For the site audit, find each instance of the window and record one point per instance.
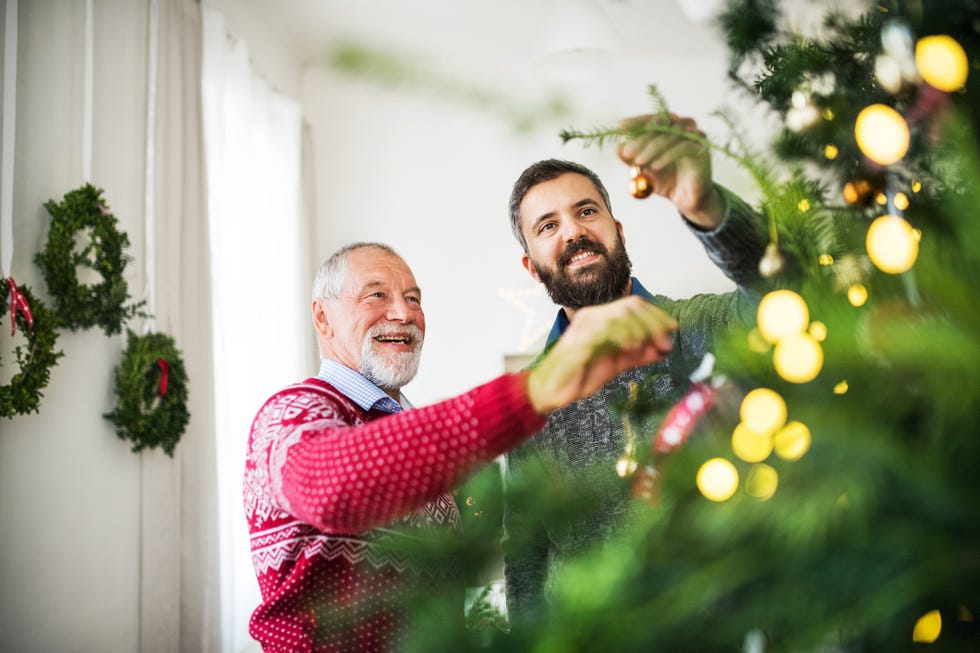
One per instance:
(260, 287)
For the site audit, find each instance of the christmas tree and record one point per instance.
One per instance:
(829, 499)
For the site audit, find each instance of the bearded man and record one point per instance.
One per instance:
(343, 479)
(560, 214)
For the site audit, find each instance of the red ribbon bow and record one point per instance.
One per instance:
(18, 303)
(163, 375)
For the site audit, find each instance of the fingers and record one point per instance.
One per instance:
(668, 153)
(630, 324)
(677, 164)
(655, 150)
(600, 343)
(651, 326)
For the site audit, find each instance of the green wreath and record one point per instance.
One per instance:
(78, 305)
(151, 393)
(35, 360)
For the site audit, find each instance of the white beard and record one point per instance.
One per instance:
(391, 371)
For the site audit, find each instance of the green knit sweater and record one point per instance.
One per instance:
(578, 449)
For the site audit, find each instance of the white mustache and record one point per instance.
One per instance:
(410, 331)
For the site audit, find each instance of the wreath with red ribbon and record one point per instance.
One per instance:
(151, 393)
(22, 395)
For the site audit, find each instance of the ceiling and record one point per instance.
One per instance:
(478, 33)
(494, 49)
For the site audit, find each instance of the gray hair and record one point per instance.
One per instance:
(332, 275)
(540, 172)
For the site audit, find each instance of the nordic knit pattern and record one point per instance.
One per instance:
(579, 446)
(322, 477)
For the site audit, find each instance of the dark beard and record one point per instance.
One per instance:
(600, 283)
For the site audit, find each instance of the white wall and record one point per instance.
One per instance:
(69, 488)
(429, 176)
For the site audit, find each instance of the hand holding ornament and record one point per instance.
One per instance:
(670, 158)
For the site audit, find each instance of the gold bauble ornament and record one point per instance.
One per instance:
(928, 627)
(761, 482)
(862, 190)
(857, 295)
(792, 441)
(798, 358)
(882, 134)
(942, 62)
(641, 186)
(717, 479)
(751, 446)
(763, 411)
(781, 313)
(892, 243)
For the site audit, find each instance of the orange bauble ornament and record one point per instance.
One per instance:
(640, 185)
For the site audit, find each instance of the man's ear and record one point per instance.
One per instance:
(321, 321)
(622, 236)
(529, 266)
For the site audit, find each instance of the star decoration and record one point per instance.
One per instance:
(530, 301)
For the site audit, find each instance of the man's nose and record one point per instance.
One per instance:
(572, 230)
(398, 310)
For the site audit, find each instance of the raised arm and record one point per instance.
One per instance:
(347, 479)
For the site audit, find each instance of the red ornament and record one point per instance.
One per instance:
(640, 185)
(683, 417)
(675, 430)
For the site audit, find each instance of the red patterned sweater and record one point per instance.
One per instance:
(322, 475)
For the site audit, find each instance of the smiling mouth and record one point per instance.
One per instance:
(580, 258)
(394, 339)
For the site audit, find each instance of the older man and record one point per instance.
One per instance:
(560, 214)
(340, 473)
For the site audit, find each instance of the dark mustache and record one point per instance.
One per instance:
(580, 245)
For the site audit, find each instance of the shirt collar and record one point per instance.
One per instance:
(356, 387)
(561, 321)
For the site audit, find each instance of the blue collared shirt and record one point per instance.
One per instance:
(358, 389)
(561, 322)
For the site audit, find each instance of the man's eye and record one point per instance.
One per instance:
(546, 227)
(417, 300)
(588, 211)
(377, 295)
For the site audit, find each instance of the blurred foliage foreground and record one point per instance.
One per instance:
(864, 535)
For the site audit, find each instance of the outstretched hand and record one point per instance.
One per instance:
(600, 343)
(679, 167)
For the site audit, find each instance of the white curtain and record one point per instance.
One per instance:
(260, 281)
(179, 547)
